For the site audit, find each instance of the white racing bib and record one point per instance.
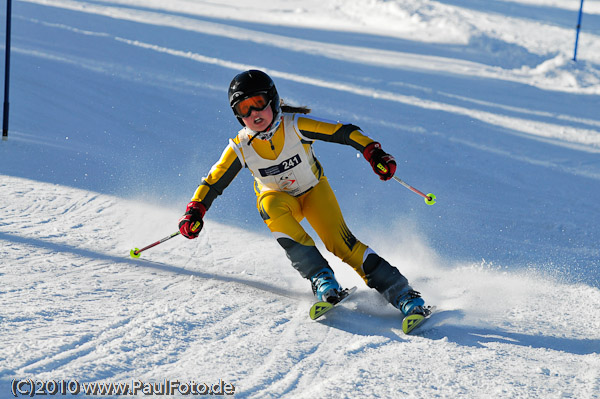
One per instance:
(293, 170)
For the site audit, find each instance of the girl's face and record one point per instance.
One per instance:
(259, 120)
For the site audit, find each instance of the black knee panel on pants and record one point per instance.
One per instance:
(385, 278)
(306, 259)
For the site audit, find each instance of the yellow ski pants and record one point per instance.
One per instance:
(283, 213)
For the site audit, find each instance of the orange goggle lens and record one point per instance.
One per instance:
(244, 108)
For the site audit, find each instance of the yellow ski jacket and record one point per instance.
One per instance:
(235, 156)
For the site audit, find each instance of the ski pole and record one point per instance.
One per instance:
(429, 198)
(135, 253)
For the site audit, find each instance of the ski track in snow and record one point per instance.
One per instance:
(228, 306)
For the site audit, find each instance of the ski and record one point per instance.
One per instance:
(409, 323)
(319, 308)
(412, 321)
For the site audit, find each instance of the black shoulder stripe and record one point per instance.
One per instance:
(218, 187)
(341, 136)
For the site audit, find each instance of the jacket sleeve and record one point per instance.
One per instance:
(334, 132)
(220, 176)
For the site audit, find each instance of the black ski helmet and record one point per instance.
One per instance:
(249, 83)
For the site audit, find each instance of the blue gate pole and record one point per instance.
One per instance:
(6, 71)
(578, 28)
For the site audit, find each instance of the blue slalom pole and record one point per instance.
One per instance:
(578, 28)
(6, 71)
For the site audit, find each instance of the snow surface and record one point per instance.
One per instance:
(118, 108)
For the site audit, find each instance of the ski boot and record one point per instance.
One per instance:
(410, 302)
(325, 286)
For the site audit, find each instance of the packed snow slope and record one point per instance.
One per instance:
(119, 108)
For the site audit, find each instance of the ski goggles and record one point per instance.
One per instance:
(244, 108)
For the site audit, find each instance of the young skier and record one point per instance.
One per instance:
(275, 144)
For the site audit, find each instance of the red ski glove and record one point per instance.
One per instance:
(191, 222)
(382, 163)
